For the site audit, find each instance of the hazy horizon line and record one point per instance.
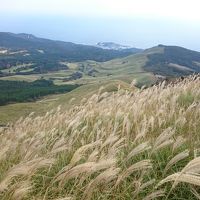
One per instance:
(93, 44)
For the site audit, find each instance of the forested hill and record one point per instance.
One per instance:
(172, 61)
(28, 48)
(21, 91)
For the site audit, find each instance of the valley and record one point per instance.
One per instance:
(27, 58)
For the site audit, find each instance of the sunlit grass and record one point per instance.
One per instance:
(129, 144)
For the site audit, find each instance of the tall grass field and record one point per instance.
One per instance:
(142, 144)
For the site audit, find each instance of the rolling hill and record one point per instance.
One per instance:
(25, 54)
(159, 62)
(172, 61)
(145, 68)
(45, 55)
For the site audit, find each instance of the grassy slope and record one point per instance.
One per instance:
(127, 145)
(176, 61)
(12, 112)
(130, 67)
(116, 69)
(121, 71)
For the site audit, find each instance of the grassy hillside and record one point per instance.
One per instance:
(12, 112)
(162, 60)
(115, 72)
(144, 68)
(167, 61)
(173, 61)
(141, 144)
(24, 56)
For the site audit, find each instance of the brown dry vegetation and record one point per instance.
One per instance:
(125, 145)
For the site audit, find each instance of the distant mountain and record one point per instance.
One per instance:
(47, 54)
(114, 46)
(172, 61)
(24, 54)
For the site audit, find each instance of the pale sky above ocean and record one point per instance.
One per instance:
(141, 23)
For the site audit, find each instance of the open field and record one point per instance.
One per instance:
(132, 144)
(18, 67)
(91, 70)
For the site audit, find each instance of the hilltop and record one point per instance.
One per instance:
(172, 61)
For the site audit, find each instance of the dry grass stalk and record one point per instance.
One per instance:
(24, 169)
(179, 142)
(81, 151)
(154, 195)
(141, 165)
(190, 178)
(163, 140)
(86, 168)
(65, 198)
(139, 149)
(21, 191)
(103, 178)
(175, 159)
(195, 193)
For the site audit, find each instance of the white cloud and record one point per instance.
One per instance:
(178, 9)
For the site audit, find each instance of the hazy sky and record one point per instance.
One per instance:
(141, 23)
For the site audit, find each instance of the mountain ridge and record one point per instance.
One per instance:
(64, 49)
(39, 56)
(172, 60)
